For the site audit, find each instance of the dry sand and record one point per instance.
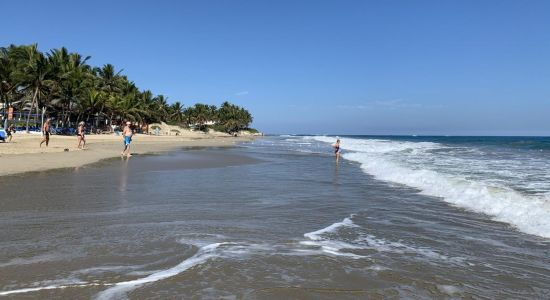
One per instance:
(23, 154)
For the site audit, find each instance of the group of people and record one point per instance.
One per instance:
(127, 134)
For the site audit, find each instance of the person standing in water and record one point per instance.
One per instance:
(127, 134)
(337, 150)
(80, 135)
(46, 132)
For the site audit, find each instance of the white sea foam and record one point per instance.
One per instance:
(106, 269)
(119, 289)
(51, 287)
(48, 257)
(319, 240)
(327, 240)
(316, 235)
(28, 290)
(381, 245)
(378, 268)
(387, 160)
(333, 248)
(449, 289)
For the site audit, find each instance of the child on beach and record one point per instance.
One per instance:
(127, 134)
(80, 135)
(46, 132)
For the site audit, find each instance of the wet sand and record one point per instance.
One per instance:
(25, 155)
(77, 200)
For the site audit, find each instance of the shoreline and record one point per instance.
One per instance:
(24, 155)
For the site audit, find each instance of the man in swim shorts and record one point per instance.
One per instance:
(46, 132)
(127, 134)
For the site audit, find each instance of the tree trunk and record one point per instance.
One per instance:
(62, 116)
(5, 98)
(32, 106)
(69, 113)
(42, 117)
(37, 107)
(111, 122)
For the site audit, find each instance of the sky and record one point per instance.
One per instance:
(320, 67)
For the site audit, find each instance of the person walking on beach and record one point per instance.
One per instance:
(80, 135)
(46, 133)
(10, 132)
(127, 134)
(337, 150)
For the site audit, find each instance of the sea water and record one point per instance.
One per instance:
(507, 178)
(277, 218)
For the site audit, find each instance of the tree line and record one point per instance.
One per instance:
(62, 85)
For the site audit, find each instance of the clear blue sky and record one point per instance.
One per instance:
(341, 67)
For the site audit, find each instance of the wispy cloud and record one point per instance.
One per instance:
(241, 93)
(395, 103)
(347, 106)
(381, 104)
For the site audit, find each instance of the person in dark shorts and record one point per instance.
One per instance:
(10, 131)
(46, 132)
(80, 135)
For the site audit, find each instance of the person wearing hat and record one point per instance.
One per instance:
(80, 135)
(127, 134)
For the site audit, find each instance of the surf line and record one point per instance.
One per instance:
(53, 287)
(332, 247)
(115, 289)
(202, 255)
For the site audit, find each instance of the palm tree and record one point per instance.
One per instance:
(117, 101)
(176, 112)
(200, 115)
(188, 114)
(233, 118)
(110, 80)
(64, 84)
(161, 108)
(72, 77)
(91, 104)
(132, 108)
(7, 81)
(148, 106)
(213, 113)
(35, 74)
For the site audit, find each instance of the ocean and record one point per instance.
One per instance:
(277, 218)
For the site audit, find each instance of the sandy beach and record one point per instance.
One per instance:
(23, 154)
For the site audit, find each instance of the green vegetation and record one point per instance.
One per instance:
(252, 130)
(61, 85)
